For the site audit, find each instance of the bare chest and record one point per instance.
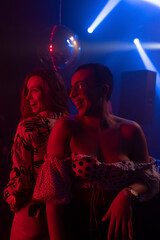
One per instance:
(108, 146)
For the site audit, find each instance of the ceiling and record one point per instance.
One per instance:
(26, 24)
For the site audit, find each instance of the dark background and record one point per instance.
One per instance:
(25, 27)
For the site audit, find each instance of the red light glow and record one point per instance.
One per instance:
(50, 48)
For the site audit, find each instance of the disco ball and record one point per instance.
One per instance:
(64, 47)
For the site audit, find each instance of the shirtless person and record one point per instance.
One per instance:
(96, 163)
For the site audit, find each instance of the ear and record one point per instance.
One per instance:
(105, 90)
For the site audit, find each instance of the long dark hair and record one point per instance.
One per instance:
(56, 96)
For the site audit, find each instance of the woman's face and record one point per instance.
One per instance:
(36, 95)
(83, 92)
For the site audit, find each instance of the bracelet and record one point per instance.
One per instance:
(133, 193)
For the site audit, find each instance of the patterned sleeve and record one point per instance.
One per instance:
(149, 174)
(20, 186)
(53, 182)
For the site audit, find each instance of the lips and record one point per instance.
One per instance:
(32, 105)
(78, 103)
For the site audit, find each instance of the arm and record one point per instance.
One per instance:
(120, 211)
(58, 145)
(146, 182)
(139, 149)
(139, 153)
(20, 186)
(59, 139)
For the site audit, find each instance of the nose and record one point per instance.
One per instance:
(73, 93)
(28, 95)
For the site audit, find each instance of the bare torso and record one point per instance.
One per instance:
(111, 144)
(115, 140)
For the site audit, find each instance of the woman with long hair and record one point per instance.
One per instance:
(43, 101)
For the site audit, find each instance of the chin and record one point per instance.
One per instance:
(36, 112)
(81, 113)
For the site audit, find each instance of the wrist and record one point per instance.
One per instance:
(133, 194)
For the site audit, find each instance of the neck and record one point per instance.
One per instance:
(100, 122)
(92, 121)
(100, 119)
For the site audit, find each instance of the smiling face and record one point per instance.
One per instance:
(84, 92)
(36, 96)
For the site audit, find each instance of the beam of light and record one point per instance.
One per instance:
(155, 2)
(147, 62)
(116, 46)
(136, 41)
(105, 11)
(153, 46)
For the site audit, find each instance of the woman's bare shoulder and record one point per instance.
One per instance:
(65, 124)
(60, 136)
(119, 121)
(128, 128)
(67, 120)
(132, 132)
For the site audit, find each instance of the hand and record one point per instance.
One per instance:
(120, 216)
